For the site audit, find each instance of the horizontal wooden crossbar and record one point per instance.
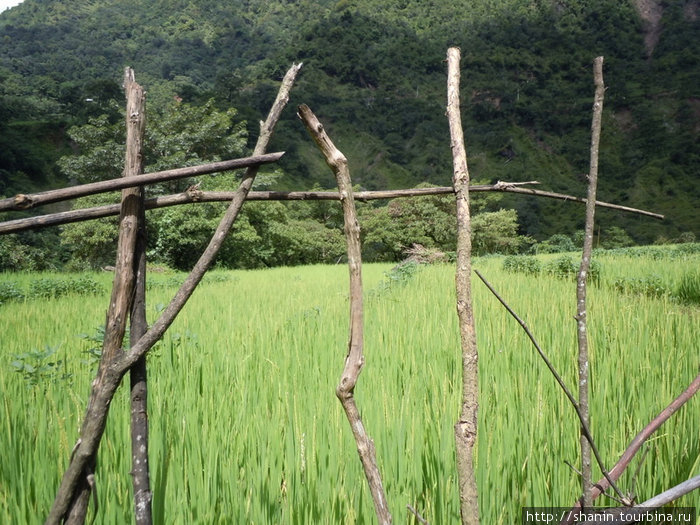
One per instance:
(26, 201)
(195, 195)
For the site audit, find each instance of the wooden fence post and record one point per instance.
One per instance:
(466, 427)
(135, 133)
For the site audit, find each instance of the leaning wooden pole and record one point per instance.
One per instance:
(581, 314)
(140, 475)
(355, 358)
(113, 367)
(466, 427)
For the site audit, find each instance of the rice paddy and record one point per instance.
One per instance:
(245, 426)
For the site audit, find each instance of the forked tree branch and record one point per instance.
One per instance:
(355, 358)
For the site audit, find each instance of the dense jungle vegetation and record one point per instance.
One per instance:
(374, 73)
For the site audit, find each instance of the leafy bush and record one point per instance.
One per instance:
(522, 264)
(557, 243)
(397, 276)
(39, 366)
(46, 288)
(566, 267)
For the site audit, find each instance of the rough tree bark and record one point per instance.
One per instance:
(355, 358)
(135, 133)
(582, 335)
(466, 427)
(113, 367)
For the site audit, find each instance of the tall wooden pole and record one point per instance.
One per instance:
(582, 333)
(135, 133)
(466, 427)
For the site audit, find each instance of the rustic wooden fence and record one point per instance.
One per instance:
(127, 300)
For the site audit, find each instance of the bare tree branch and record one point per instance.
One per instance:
(122, 292)
(556, 375)
(632, 514)
(23, 202)
(355, 359)
(140, 473)
(420, 518)
(634, 446)
(192, 195)
(466, 427)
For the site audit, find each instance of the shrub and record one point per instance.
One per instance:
(566, 267)
(522, 264)
(557, 243)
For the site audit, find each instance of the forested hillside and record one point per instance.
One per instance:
(374, 73)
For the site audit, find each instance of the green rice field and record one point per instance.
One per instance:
(245, 426)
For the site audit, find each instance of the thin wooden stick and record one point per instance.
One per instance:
(557, 377)
(624, 515)
(355, 358)
(466, 426)
(582, 277)
(113, 370)
(603, 484)
(23, 202)
(196, 195)
(420, 518)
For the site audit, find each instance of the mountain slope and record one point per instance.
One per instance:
(375, 75)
